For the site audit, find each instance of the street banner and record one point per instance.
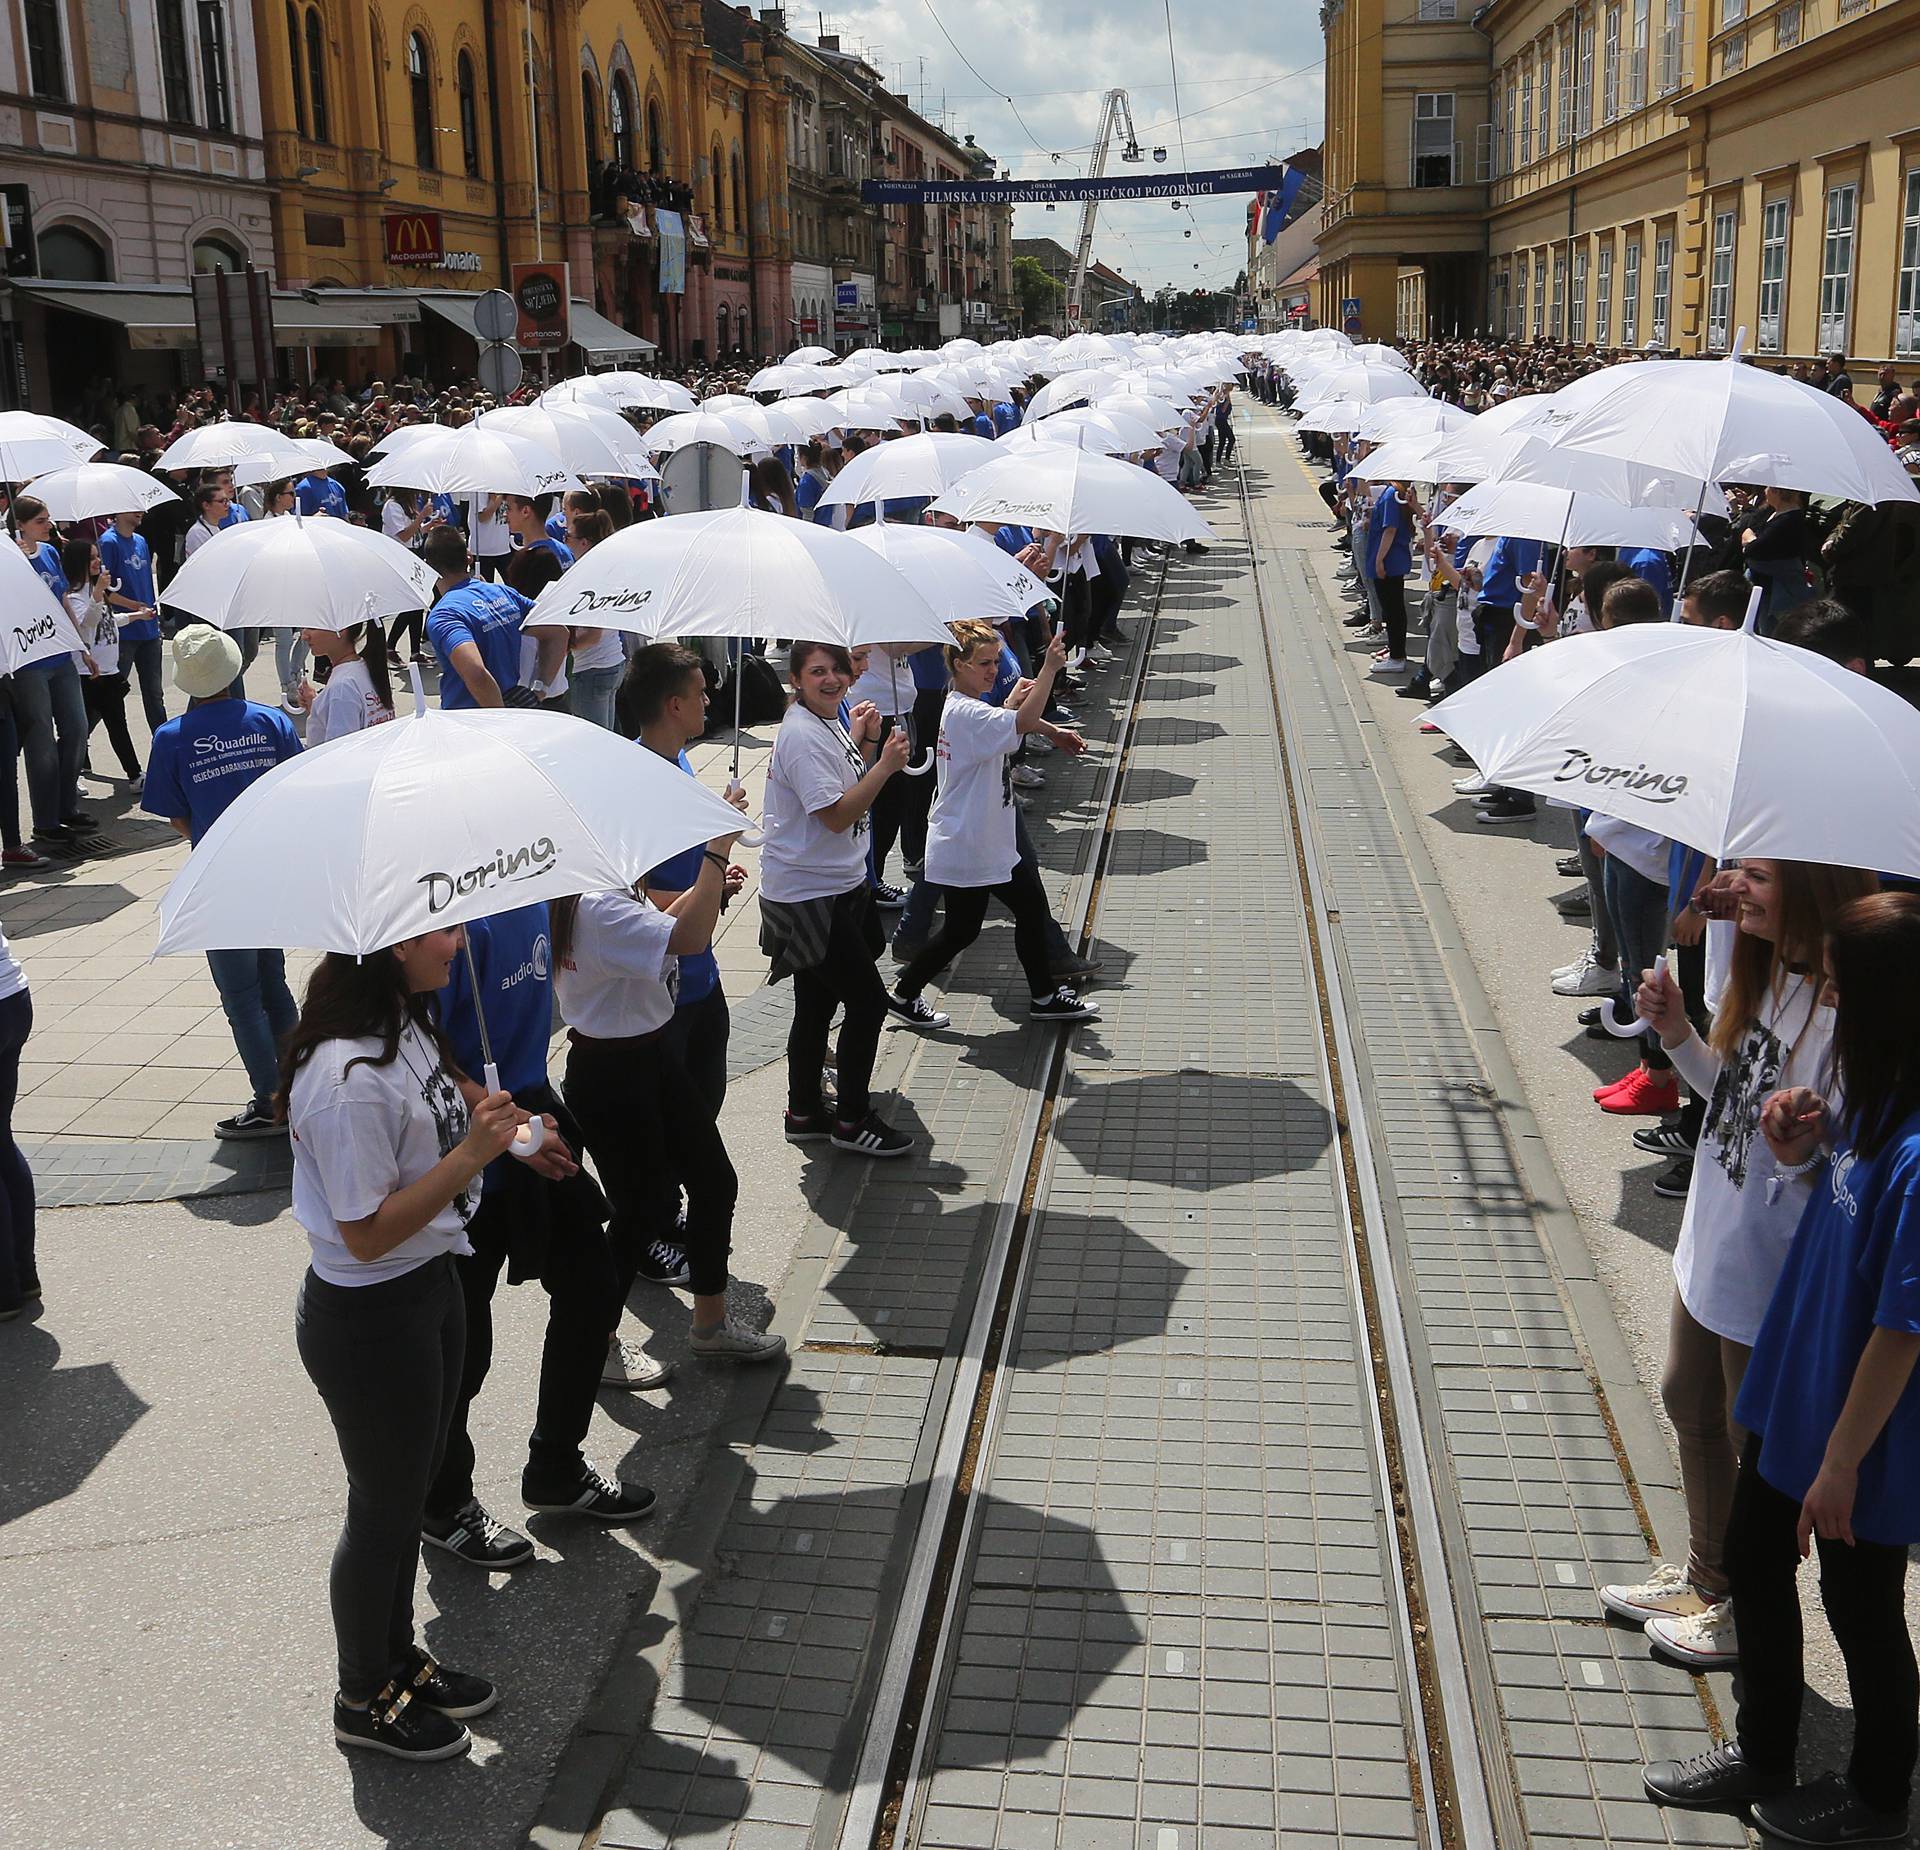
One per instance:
(1036, 192)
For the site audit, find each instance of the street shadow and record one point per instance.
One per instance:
(1153, 785)
(1175, 687)
(81, 903)
(1157, 729)
(1190, 661)
(56, 1424)
(1141, 852)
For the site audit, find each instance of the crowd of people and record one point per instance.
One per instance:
(1770, 1013)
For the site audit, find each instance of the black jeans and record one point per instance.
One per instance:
(1108, 592)
(1392, 593)
(413, 623)
(698, 1034)
(18, 1267)
(649, 1130)
(899, 802)
(846, 976)
(1862, 1588)
(386, 1359)
(1022, 895)
(583, 1304)
(106, 698)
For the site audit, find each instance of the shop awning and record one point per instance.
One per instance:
(163, 318)
(152, 318)
(455, 308)
(593, 333)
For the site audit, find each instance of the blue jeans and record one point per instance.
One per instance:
(260, 1011)
(1638, 909)
(146, 660)
(17, 1267)
(591, 691)
(289, 658)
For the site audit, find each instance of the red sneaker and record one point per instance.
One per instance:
(1607, 1091)
(1644, 1094)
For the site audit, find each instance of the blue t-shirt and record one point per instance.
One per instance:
(1854, 1267)
(558, 547)
(1644, 562)
(556, 524)
(1005, 418)
(983, 425)
(201, 761)
(129, 564)
(486, 615)
(45, 559)
(321, 494)
(808, 490)
(1004, 676)
(1684, 867)
(1512, 560)
(235, 515)
(928, 667)
(1013, 539)
(514, 956)
(699, 970)
(1390, 512)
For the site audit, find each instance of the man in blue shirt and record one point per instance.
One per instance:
(1510, 561)
(1005, 418)
(539, 1218)
(1389, 559)
(533, 532)
(319, 493)
(129, 565)
(50, 712)
(199, 764)
(1645, 562)
(475, 629)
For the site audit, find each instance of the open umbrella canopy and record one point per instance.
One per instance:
(909, 468)
(1565, 516)
(1149, 408)
(295, 457)
(788, 377)
(684, 427)
(588, 439)
(1721, 739)
(1065, 490)
(739, 572)
(1409, 417)
(32, 443)
(809, 356)
(625, 391)
(958, 572)
(35, 626)
(1402, 459)
(428, 822)
(82, 491)
(1364, 384)
(300, 572)
(471, 460)
(862, 410)
(1088, 428)
(219, 446)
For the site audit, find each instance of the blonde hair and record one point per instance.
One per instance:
(970, 633)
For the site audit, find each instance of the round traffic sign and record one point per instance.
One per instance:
(500, 369)
(493, 315)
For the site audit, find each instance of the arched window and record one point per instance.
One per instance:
(317, 73)
(469, 115)
(377, 46)
(590, 123)
(621, 99)
(739, 196)
(176, 81)
(715, 175)
(299, 75)
(420, 89)
(212, 254)
(70, 255)
(656, 140)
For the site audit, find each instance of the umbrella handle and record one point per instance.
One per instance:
(753, 835)
(531, 1135)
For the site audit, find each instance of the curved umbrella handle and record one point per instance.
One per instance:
(531, 1135)
(918, 770)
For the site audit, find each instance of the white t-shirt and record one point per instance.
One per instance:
(394, 520)
(348, 703)
(529, 661)
(492, 539)
(98, 628)
(359, 1136)
(1641, 849)
(1733, 1242)
(970, 835)
(815, 763)
(13, 979)
(619, 978)
(609, 652)
(197, 536)
(888, 684)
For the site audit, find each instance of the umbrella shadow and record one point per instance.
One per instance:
(80, 903)
(56, 1424)
(1175, 687)
(1161, 729)
(1143, 852)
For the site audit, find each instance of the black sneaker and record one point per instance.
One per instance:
(1675, 1180)
(1504, 810)
(1065, 1004)
(249, 1122)
(811, 1128)
(1569, 868)
(917, 1011)
(872, 1136)
(1714, 1781)
(450, 1692)
(471, 1535)
(1065, 969)
(889, 898)
(592, 1493)
(1575, 905)
(393, 1723)
(664, 1263)
(80, 823)
(906, 949)
(1829, 1811)
(1661, 1139)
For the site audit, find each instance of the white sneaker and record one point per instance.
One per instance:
(1100, 655)
(1588, 977)
(1026, 778)
(1388, 664)
(1666, 1593)
(1474, 786)
(730, 1343)
(1035, 743)
(1701, 1641)
(629, 1366)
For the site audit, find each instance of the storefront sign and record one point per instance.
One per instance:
(846, 295)
(414, 238)
(467, 262)
(542, 300)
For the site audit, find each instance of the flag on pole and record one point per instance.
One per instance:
(1277, 208)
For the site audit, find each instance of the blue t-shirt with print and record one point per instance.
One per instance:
(489, 617)
(1510, 562)
(128, 560)
(321, 494)
(201, 761)
(45, 559)
(1854, 1267)
(699, 970)
(556, 545)
(1005, 418)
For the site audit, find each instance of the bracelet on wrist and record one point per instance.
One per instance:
(719, 860)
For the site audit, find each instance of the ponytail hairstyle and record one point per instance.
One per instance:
(76, 557)
(370, 644)
(969, 633)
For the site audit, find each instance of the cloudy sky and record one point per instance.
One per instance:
(1245, 95)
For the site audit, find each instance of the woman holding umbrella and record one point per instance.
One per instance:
(389, 1139)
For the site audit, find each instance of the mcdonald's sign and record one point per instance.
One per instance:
(414, 238)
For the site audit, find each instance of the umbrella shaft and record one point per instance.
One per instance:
(479, 1013)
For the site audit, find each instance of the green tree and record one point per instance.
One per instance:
(1038, 292)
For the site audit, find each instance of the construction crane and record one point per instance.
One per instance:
(1116, 118)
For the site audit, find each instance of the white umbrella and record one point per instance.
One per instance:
(787, 378)
(220, 446)
(1380, 354)
(1565, 517)
(1336, 415)
(296, 456)
(911, 467)
(863, 411)
(959, 573)
(587, 439)
(1722, 421)
(1365, 385)
(1721, 739)
(82, 491)
(917, 357)
(1088, 429)
(299, 572)
(1073, 389)
(724, 402)
(624, 390)
(810, 417)
(1402, 459)
(31, 443)
(1065, 490)
(1409, 417)
(472, 460)
(36, 625)
(1161, 413)
(684, 427)
(960, 344)
(808, 356)
(920, 395)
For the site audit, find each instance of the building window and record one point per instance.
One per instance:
(1773, 274)
(1670, 24)
(1906, 320)
(1720, 285)
(420, 91)
(1526, 111)
(1583, 96)
(621, 117)
(176, 70)
(214, 85)
(293, 60)
(1603, 297)
(212, 255)
(1539, 294)
(1439, 9)
(1637, 54)
(1732, 12)
(1577, 300)
(470, 115)
(715, 200)
(1662, 285)
(1630, 293)
(1509, 154)
(1610, 67)
(739, 196)
(1517, 321)
(69, 255)
(46, 58)
(590, 121)
(1836, 267)
(1566, 86)
(378, 50)
(1433, 145)
(1557, 317)
(1733, 55)
(656, 141)
(1787, 23)
(317, 73)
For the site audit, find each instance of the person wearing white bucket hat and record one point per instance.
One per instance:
(198, 764)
